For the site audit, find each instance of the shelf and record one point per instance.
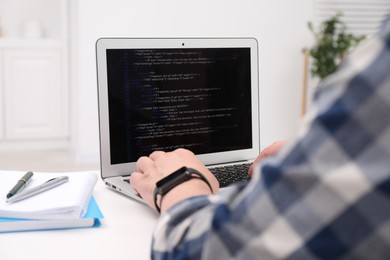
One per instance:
(26, 42)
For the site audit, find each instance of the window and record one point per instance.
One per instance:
(362, 17)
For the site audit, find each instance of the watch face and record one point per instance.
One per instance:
(171, 177)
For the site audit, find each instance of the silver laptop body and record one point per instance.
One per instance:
(164, 93)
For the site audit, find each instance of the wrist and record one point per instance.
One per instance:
(193, 187)
(183, 183)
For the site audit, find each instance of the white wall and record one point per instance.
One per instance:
(279, 26)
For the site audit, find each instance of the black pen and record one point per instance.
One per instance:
(20, 184)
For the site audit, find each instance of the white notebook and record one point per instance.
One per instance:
(69, 200)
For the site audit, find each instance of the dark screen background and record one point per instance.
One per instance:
(163, 99)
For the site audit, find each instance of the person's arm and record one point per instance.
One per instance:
(159, 165)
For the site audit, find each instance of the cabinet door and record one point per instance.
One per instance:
(36, 94)
(1, 96)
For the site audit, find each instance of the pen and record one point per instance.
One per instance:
(38, 189)
(20, 184)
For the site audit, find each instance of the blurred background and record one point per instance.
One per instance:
(48, 89)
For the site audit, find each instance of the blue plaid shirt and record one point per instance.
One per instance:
(326, 195)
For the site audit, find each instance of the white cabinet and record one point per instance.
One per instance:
(34, 74)
(1, 98)
(34, 93)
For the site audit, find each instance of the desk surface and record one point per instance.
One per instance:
(125, 233)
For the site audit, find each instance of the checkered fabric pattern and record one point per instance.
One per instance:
(325, 196)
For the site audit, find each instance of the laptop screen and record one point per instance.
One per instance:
(164, 99)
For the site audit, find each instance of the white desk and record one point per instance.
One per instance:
(125, 233)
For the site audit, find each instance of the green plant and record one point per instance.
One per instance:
(332, 43)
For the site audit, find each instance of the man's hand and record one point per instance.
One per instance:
(159, 165)
(267, 152)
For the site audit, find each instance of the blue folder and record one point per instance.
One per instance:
(91, 219)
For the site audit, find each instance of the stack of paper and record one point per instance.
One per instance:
(69, 205)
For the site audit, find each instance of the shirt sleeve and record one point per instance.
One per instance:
(325, 196)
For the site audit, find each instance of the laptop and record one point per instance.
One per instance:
(166, 93)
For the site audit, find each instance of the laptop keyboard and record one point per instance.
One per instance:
(227, 175)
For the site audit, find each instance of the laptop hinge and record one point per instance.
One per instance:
(228, 163)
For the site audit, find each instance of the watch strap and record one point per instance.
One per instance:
(174, 179)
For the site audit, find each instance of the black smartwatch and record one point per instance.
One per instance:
(183, 174)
